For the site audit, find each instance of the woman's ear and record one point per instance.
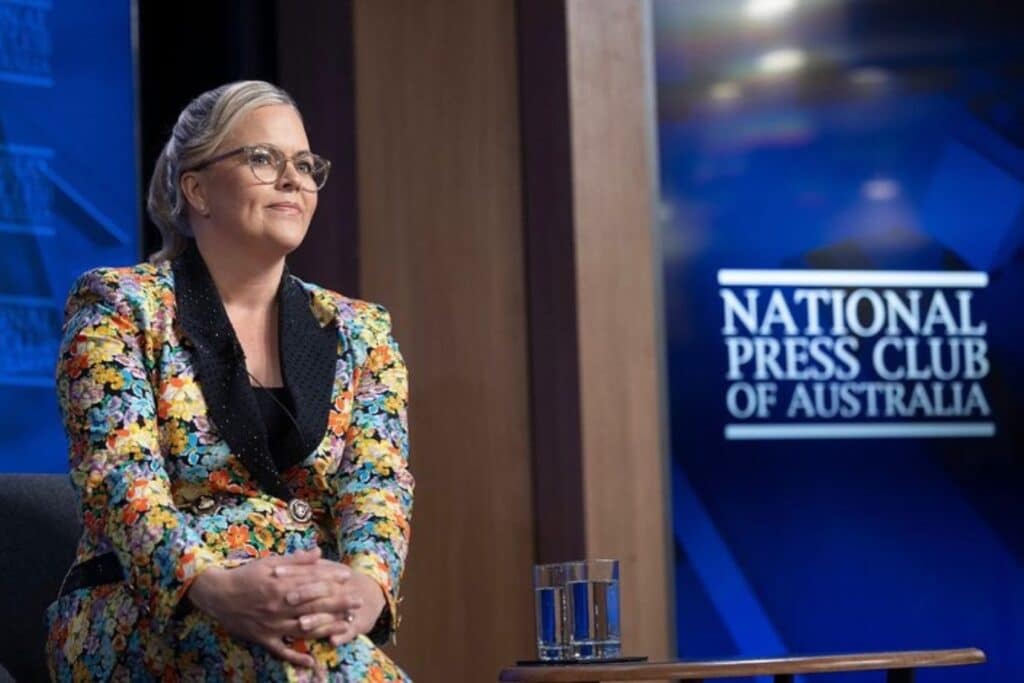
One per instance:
(194, 192)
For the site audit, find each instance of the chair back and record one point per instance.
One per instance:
(39, 530)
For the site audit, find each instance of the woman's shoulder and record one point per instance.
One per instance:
(138, 275)
(122, 285)
(358, 316)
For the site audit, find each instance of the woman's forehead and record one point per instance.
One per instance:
(279, 125)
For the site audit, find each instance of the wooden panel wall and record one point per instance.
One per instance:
(503, 176)
(441, 246)
(625, 488)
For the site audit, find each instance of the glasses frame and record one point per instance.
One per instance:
(248, 149)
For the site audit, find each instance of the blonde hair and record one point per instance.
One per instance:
(200, 129)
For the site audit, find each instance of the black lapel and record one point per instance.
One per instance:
(309, 357)
(220, 370)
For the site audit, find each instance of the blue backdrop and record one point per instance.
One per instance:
(821, 137)
(68, 195)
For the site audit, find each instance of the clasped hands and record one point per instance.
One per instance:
(280, 598)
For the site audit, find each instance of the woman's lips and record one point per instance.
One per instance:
(286, 207)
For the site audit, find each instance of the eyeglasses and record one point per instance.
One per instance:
(268, 164)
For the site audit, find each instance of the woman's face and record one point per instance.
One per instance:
(269, 218)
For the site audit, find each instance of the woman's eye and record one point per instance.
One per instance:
(304, 166)
(261, 157)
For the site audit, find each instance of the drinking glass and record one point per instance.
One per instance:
(549, 591)
(592, 609)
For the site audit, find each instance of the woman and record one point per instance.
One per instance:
(238, 437)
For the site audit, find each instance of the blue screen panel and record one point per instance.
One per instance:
(68, 195)
(842, 188)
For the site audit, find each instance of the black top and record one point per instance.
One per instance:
(272, 402)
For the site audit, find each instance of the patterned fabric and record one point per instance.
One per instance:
(144, 449)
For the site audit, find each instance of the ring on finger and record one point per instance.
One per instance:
(349, 617)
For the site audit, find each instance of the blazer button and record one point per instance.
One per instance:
(300, 510)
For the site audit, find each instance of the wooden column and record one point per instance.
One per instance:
(626, 494)
(504, 187)
(550, 243)
(599, 450)
(440, 245)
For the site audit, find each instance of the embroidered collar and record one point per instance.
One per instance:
(309, 354)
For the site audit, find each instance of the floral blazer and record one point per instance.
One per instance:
(170, 457)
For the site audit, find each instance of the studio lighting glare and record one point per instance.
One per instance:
(726, 91)
(869, 77)
(782, 61)
(768, 9)
(881, 189)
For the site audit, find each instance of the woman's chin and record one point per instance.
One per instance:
(285, 237)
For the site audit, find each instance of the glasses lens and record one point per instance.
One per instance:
(268, 164)
(322, 170)
(265, 163)
(312, 171)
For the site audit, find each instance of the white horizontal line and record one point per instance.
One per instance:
(883, 430)
(852, 278)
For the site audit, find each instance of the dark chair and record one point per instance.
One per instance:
(39, 529)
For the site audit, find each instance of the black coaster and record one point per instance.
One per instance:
(576, 662)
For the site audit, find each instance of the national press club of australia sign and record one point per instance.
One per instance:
(853, 354)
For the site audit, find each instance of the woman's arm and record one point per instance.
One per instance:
(373, 484)
(110, 416)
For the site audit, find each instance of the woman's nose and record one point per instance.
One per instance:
(289, 178)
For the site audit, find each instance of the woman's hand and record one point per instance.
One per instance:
(277, 598)
(250, 601)
(334, 600)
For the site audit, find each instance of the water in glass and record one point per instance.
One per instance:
(549, 606)
(593, 605)
(551, 636)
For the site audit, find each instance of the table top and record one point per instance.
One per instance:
(725, 668)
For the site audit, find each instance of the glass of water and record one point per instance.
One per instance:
(549, 591)
(592, 609)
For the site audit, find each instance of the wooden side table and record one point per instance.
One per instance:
(899, 667)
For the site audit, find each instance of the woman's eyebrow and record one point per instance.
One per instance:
(275, 146)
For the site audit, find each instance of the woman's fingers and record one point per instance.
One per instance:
(308, 591)
(337, 629)
(278, 647)
(336, 570)
(338, 604)
(322, 624)
(284, 565)
(325, 583)
(321, 569)
(316, 614)
(340, 596)
(316, 626)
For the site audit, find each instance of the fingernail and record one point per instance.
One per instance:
(292, 598)
(335, 640)
(305, 622)
(280, 571)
